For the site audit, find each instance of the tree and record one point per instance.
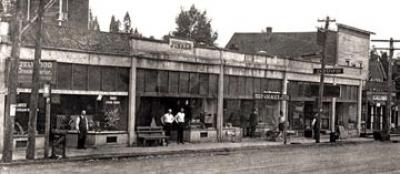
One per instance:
(127, 23)
(114, 24)
(195, 25)
(93, 23)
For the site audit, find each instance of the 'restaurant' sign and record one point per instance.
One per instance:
(329, 70)
(180, 44)
(47, 71)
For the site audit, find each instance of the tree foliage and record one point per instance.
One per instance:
(115, 24)
(195, 25)
(93, 22)
(127, 23)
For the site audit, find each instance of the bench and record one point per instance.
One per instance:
(147, 134)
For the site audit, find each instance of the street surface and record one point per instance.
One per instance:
(373, 157)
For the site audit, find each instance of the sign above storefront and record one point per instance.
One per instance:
(269, 95)
(329, 71)
(48, 71)
(180, 44)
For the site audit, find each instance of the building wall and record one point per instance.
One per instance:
(353, 49)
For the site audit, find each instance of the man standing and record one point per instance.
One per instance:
(82, 126)
(166, 120)
(281, 125)
(253, 121)
(180, 120)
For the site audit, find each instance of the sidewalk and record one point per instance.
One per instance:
(112, 152)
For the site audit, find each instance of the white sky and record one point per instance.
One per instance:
(157, 17)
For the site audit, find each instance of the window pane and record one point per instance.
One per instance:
(203, 84)
(107, 78)
(94, 78)
(163, 80)
(64, 76)
(184, 82)
(194, 83)
(79, 77)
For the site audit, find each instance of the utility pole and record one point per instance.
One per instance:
(16, 26)
(385, 134)
(322, 77)
(33, 106)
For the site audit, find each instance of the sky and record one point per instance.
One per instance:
(157, 17)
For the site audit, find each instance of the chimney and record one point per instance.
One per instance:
(269, 32)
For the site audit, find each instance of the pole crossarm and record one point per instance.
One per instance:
(383, 40)
(33, 20)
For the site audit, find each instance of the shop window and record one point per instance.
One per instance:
(140, 81)
(242, 85)
(163, 81)
(249, 86)
(194, 83)
(257, 85)
(64, 76)
(151, 78)
(203, 84)
(183, 82)
(123, 79)
(79, 77)
(274, 85)
(94, 78)
(264, 85)
(107, 78)
(213, 84)
(174, 82)
(233, 86)
(226, 85)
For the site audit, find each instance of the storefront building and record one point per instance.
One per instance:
(124, 82)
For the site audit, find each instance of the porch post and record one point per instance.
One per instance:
(359, 107)
(220, 104)
(132, 103)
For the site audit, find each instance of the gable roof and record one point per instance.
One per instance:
(283, 44)
(376, 71)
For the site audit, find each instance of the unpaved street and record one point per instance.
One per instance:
(351, 158)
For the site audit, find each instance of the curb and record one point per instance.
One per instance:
(117, 156)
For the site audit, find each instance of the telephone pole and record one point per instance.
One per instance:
(327, 21)
(34, 101)
(385, 134)
(12, 69)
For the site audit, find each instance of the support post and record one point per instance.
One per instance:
(359, 114)
(333, 121)
(220, 104)
(132, 102)
(322, 77)
(284, 105)
(34, 101)
(47, 93)
(16, 26)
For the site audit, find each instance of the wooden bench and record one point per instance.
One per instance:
(147, 134)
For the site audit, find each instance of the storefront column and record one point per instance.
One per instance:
(132, 103)
(284, 96)
(220, 98)
(359, 107)
(333, 115)
(2, 113)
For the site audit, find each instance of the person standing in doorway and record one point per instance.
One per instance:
(82, 126)
(167, 119)
(180, 120)
(253, 121)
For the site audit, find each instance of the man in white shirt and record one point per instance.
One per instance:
(180, 120)
(166, 120)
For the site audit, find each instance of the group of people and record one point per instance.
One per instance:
(168, 119)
